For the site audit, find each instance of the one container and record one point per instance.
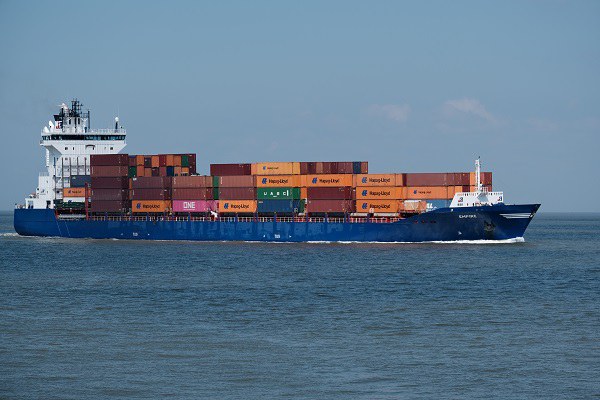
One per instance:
(426, 193)
(330, 206)
(110, 194)
(278, 181)
(230, 169)
(192, 181)
(150, 206)
(237, 206)
(192, 193)
(237, 193)
(375, 180)
(327, 180)
(280, 206)
(276, 168)
(278, 193)
(379, 193)
(109, 170)
(377, 206)
(112, 182)
(236, 181)
(109, 160)
(195, 205)
(74, 192)
(151, 194)
(330, 193)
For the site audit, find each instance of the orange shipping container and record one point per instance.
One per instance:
(426, 192)
(413, 205)
(150, 206)
(139, 160)
(139, 170)
(400, 179)
(375, 180)
(381, 193)
(185, 170)
(275, 168)
(155, 162)
(278, 181)
(237, 206)
(303, 193)
(336, 180)
(377, 206)
(170, 160)
(177, 160)
(74, 192)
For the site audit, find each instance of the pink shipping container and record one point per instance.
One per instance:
(195, 205)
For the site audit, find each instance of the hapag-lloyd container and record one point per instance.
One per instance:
(330, 193)
(74, 192)
(237, 206)
(375, 180)
(275, 168)
(379, 193)
(150, 206)
(278, 181)
(195, 205)
(236, 181)
(278, 193)
(377, 206)
(326, 180)
(426, 193)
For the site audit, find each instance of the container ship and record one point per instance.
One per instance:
(91, 189)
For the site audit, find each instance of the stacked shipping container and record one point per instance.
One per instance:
(109, 183)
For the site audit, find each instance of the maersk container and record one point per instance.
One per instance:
(112, 182)
(275, 193)
(230, 169)
(109, 160)
(80, 180)
(237, 193)
(280, 206)
(192, 193)
(330, 193)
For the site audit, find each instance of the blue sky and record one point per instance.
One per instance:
(408, 86)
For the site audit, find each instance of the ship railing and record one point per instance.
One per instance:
(358, 220)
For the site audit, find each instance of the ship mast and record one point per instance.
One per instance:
(478, 174)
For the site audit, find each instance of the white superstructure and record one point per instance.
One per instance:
(480, 197)
(69, 142)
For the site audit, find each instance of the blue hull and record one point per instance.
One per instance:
(498, 222)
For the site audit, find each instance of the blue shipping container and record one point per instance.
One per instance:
(280, 206)
(80, 180)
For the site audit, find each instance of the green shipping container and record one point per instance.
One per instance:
(216, 193)
(273, 193)
(185, 162)
(215, 180)
(132, 173)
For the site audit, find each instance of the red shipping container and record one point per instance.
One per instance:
(151, 182)
(192, 181)
(132, 161)
(237, 193)
(330, 206)
(236, 181)
(109, 160)
(230, 169)
(192, 194)
(330, 193)
(364, 167)
(106, 170)
(344, 167)
(308, 168)
(114, 182)
(151, 194)
(427, 179)
(110, 194)
(162, 160)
